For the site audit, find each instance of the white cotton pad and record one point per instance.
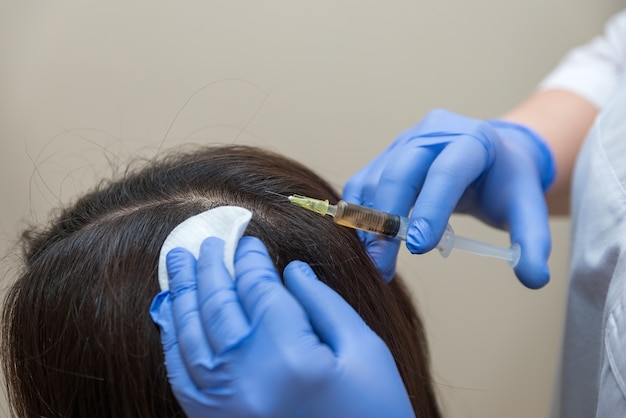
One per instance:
(225, 222)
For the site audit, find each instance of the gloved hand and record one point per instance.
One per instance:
(252, 348)
(495, 170)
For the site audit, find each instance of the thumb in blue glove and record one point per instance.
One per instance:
(495, 170)
(252, 348)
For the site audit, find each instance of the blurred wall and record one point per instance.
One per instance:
(86, 87)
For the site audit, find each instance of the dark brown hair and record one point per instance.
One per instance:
(77, 336)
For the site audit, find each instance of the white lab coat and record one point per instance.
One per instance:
(592, 380)
(593, 372)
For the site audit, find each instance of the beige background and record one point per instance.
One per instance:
(83, 88)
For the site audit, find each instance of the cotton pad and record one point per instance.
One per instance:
(225, 222)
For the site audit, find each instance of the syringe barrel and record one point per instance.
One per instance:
(366, 219)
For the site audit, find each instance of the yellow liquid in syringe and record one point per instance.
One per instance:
(366, 219)
(355, 216)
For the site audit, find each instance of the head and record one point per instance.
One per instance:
(77, 335)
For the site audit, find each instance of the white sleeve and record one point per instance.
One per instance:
(594, 69)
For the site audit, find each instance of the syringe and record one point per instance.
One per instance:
(370, 220)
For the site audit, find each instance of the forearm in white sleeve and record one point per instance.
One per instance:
(593, 70)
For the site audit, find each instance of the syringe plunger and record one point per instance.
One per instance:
(450, 240)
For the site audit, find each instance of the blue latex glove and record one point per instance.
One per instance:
(495, 170)
(252, 348)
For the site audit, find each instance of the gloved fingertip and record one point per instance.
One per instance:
(297, 269)
(383, 253)
(388, 274)
(298, 276)
(177, 253)
(211, 244)
(532, 270)
(162, 316)
(334, 321)
(177, 259)
(419, 237)
(250, 240)
(362, 235)
(533, 276)
(388, 277)
(157, 303)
